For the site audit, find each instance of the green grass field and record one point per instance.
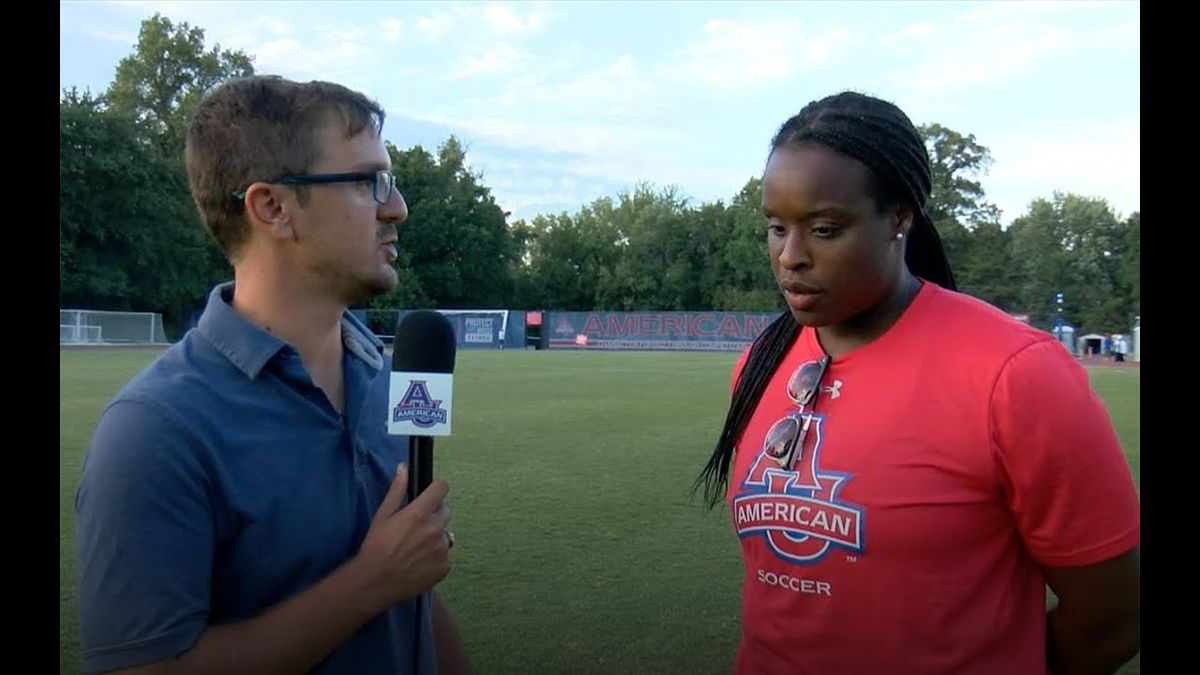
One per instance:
(580, 549)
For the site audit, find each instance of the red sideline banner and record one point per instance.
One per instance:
(664, 331)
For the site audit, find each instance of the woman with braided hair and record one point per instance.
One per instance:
(907, 467)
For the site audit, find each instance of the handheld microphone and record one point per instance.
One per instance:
(419, 405)
(421, 393)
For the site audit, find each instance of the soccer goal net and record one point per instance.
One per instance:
(89, 326)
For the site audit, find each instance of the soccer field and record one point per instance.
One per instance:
(579, 547)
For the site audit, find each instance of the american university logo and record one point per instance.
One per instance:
(796, 510)
(418, 407)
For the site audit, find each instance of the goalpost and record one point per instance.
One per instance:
(90, 326)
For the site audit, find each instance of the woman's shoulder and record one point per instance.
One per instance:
(961, 322)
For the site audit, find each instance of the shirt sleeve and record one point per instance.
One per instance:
(1065, 476)
(144, 537)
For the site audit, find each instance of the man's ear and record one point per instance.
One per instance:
(267, 212)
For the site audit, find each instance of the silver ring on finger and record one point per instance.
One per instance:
(449, 538)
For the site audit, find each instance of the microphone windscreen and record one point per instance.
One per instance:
(424, 343)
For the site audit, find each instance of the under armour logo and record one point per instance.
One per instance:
(833, 389)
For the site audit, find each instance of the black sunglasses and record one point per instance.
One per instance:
(785, 440)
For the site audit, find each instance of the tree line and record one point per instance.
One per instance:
(130, 237)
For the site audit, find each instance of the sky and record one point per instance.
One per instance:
(561, 103)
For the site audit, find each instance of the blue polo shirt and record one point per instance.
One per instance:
(220, 481)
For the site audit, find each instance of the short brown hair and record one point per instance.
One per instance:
(258, 128)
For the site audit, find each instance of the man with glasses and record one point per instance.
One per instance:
(242, 505)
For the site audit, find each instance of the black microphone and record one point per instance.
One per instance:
(419, 404)
(421, 393)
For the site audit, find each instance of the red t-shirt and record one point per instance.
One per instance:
(945, 462)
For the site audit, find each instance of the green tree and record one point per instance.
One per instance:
(741, 270)
(1072, 244)
(568, 257)
(162, 82)
(977, 247)
(457, 250)
(1129, 267)
(129, 237)
(986, 268)
(662, 253)
(956, 161)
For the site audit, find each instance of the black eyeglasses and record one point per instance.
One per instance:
(382, 182)
(785, 440)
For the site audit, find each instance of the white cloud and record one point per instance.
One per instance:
(326, 62)
(163, 6)
(596, 126)
(198, 14)
(337, 33)
(392, 29)
(504, 20)
(734, 53)
(249, 35)
(525, 187)
(975, 55)
(581, 115)
(1122, 36)
(271, 24)
(599, 148)
(480, 19)
(618, 91)
(602, 161)
(1002, 41)
(435, 26)
(107, 36)
(542, 94)
(920, 29)
(276, 51)
(1094, 160)
(500, 58)
(1007, 53)
(996, 11)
